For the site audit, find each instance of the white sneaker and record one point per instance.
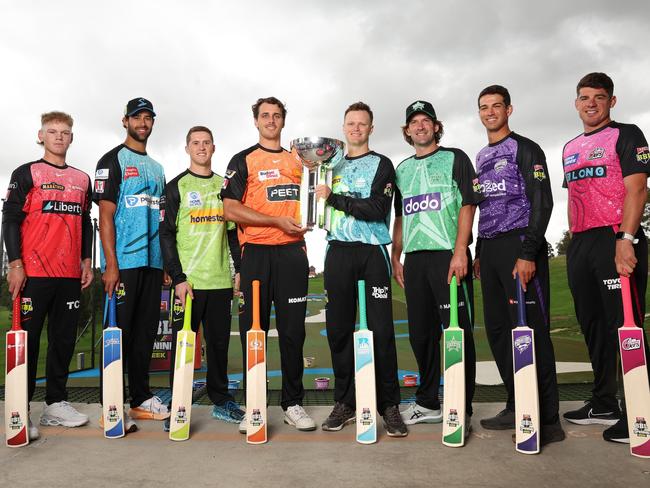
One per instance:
(32, 430)
(296, 415)
(129, 424)
(62, 413)
(416, 414)
(242, 425)
(152, 409)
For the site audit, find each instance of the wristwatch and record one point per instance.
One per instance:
(624, 235)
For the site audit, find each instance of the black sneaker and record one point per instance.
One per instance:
(504, 420)
(618, 432)
(551, 433)
(341, 415)
(393, 423)
(586, 415)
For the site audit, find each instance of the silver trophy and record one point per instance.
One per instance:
(318, 154)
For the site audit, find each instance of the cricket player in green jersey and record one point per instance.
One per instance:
(435, 200)
(195, 238)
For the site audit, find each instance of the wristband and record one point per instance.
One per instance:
(624, 235)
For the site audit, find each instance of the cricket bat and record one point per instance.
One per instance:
(112, 378)
(527, 440)
(453, 423)
(364, 376)
(635, 377)
(256, 376)
(16, 403)
(179, 422)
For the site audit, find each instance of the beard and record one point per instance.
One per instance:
(135, 135)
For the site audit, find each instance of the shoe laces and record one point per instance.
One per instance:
(392, 415)
(231, 406)
(66, 406)
(297, 411)
(340, 410)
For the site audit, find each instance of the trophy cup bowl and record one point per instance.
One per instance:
(315, 152)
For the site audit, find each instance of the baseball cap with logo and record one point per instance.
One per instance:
(420, 106)
(138, 105)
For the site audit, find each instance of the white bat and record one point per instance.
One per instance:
(112, 378)
(635, 377)
(364, 376)
(527, 440)
(256, 419)
(16, 403)
(179, 422)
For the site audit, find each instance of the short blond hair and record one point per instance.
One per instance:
(56, 116)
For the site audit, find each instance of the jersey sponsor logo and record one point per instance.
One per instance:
(59, 207)
(500, 165)
(131, 172)
(52, 186)
(99, 186)
(194, 199)
(208, 216)
(388, 190)
(476, 185)
(630, 344)
(585, 173)
(101, 174)
(281, 193)
(268, 174)
(297, 300)
(422, 203)
(538, 172)
(572, 159)
(360, 183)
(597, 153)
(380, 292)
(26, 306)
(642, 154)
(121, 291)
(493, 188)
(141, 200)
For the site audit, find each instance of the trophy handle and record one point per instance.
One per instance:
(325, 211)
(312, 203)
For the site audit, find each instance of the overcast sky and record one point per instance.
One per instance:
(205, 63)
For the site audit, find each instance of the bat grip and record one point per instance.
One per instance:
(521, 303)
(453, 302)
(628, 314)
(256, 304)
(112, 313)
(15, 318)
(187, 313)
(363, 324)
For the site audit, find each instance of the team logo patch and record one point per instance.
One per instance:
(101, 174)
(268, 174)
(642, 154)
(585, 173)
(59, 207)
(52, 186)
(131, 172)
(281, 193)
(121, 291)
(26, 306)
(99, 186)
(597, 153)
(572, 159)
(388, 190)
(522, 343)
(230, 173)
(630, 344)
(161, 217)
(538, 172)
(476, 185)
(194, 199)
(422, 203)
(641, 427)
(500, 165)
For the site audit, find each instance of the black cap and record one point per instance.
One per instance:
(138, 105)
(420, 107)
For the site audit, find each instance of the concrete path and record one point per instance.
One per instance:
(217, 456)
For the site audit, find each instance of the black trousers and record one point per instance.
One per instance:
(428, 310)
(596, 291)
(283, 274)
(58, 300)
(344, 266)
(138, 314)
(498, 258)
(212, 309)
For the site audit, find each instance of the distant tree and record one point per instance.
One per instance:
(563, 244)
(551, 251)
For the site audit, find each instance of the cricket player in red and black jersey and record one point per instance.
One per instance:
(48, 236)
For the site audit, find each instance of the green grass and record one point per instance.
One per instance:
(568, 341)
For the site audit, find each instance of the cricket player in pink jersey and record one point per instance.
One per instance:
(605, 171)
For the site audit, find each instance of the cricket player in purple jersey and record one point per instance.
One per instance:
(606, 172)
(513, 178)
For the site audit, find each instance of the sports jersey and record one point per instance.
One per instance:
(430, 191)
(46, 219)
(193, 232)
(513, 178)
(134, 182)
(267, 181)
(595, 164)
(362, 189)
